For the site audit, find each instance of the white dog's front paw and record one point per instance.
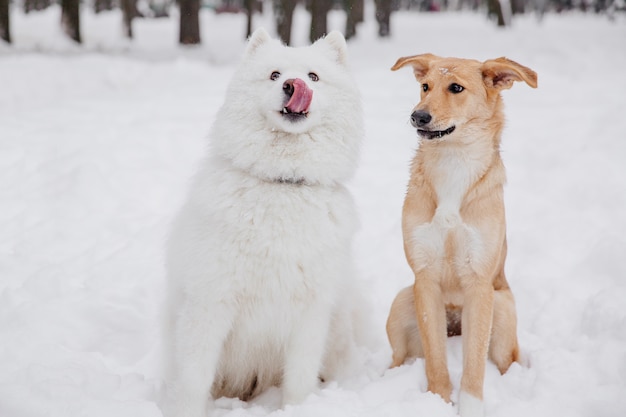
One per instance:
(470, 406)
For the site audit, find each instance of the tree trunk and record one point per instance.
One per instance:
(5, 32)
(283, 12)
(102, 5)
(495, 9)
(351, 18)
(128, 9)
(355, 14)
(517, 6)
(249, 6)
(30, 5)
(70, 19)
(359, 11)
(189, 22)
(383, 17)
(319, 26)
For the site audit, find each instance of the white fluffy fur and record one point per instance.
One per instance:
(470, 406)
(259, 259)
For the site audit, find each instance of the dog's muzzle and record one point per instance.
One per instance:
(298, 97)
(420, 119)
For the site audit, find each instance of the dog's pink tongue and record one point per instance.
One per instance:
(301, 98)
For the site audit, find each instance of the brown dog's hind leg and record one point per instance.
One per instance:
(402, 328)
(504, 348)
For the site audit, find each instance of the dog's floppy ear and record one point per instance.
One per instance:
(500, 73)
(337, 44)
(420, 64)
(258, 38)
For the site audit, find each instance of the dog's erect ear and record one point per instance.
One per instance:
(500, 73)
(338, 46)
(258, 38)
(420, 64)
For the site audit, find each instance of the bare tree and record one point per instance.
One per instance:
(129, 11)
(70, 19)
(494, 8)
(517, 6)
(355, 14)
(249, 5)
(383, 15)
(30, 5)
(255, 6)
(189, 22)
(283, 12)
(5, 32)
(102, 5)
(319, 23)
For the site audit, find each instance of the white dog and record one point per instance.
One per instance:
(259, 259)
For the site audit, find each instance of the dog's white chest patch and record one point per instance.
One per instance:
(451, 183)
(452, 178)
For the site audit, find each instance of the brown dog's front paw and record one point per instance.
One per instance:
(443, 389)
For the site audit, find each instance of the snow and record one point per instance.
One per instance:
(97, 144)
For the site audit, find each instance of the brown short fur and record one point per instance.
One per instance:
(453, 223)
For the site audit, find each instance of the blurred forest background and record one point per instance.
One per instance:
(501, 12)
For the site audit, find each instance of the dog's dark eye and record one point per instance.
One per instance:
(425, 87)
(275, 75)
(313, 76)
(455, 88)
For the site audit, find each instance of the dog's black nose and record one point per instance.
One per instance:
(420, 118)
(288, 87)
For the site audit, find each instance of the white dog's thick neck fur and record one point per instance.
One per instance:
(259, 259)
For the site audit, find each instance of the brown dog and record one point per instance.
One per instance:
(453, 225)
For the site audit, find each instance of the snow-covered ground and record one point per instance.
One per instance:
(97, 143)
